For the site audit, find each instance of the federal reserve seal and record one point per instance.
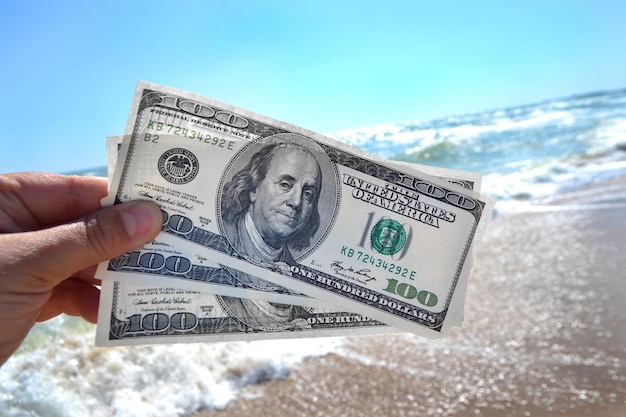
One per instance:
(388, 236)
(178, 166)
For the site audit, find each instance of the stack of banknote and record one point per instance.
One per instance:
(273, 231)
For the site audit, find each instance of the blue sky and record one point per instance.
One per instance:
(69, 69)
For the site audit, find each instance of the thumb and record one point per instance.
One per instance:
(56, 253)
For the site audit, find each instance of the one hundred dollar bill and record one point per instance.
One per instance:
(219, 279)
(284, 204)
(136, 314)
(144, 311)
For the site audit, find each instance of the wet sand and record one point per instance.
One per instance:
(546, 334)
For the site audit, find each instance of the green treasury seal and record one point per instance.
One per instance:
(388, 236)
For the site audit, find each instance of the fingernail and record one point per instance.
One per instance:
(140, 219)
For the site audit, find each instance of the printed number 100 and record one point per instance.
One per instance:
(157, 322)
(409, 292)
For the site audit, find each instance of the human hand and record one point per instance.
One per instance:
(53, 234)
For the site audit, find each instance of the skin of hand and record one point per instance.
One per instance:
(53, 233)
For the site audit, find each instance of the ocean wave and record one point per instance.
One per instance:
(524, 152)
(59, 373)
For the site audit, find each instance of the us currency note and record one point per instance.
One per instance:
(220, 279)
(136, 312)
(386, 243)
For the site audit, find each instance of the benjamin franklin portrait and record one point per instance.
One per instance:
(278, 199)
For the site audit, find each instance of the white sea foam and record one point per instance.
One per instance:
(60, 373)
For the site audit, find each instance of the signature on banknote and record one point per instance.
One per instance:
(359, 275)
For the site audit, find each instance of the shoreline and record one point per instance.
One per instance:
(545, 335)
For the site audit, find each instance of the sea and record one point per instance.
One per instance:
(527, 154)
